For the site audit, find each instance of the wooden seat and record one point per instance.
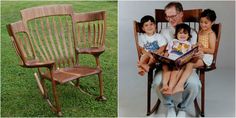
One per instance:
(52, 38)
(191, 17)
(67, 74)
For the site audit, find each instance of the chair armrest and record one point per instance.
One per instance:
(96, 51)
(36, 63)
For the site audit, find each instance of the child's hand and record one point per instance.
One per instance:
(194, 45)
(200, 45)
(166, 54)
(199, 54)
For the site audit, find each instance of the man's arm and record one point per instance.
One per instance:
(193, 39)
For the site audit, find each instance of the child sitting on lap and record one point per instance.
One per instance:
(149, 41)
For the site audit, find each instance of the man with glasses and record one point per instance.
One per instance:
(174, 15)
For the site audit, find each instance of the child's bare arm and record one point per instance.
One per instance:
(143, 51)
(161, 50)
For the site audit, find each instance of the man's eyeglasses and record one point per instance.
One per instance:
(172, 17)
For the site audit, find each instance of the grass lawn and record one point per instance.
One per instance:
(20, 96)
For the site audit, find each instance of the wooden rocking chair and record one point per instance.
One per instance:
(192, 18)
(51, 38)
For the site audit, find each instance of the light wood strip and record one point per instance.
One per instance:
(45, 39)
(18, 52)
(27, 45)
(70, 41)
(35, 42)
(89, 34)
(84, 38)
(19, 40)
(94, 34)
(58, 41)
(102, 34)
(64, 40)
(104, 31)
(99, 34)
(79, 40)
(51, 39)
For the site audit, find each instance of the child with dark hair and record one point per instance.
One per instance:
(206, 44)
(206, 37)
(176, 48)
(149, 41)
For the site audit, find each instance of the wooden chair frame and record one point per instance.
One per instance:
(48, 45)
(192, 18)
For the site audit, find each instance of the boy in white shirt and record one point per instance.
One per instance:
(149, 41)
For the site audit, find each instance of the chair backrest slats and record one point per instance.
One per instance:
(137, 30)
(191, 17)
(45, 57)
(52, 32)
(66, 56)
(90, 29)
(95, 38)
(89, 35)
(53, 39)
(21, 42)
(70, 42)
(58, 43)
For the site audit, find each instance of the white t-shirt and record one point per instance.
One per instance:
(176, 48)
(151, 43)
(169, 32)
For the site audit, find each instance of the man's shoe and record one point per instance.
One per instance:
(181, 114)
(171, 112)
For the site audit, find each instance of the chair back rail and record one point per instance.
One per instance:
(137, 30)
(191, 17)
(217, 29)
(49, 10)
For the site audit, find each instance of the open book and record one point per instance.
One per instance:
(180, 61)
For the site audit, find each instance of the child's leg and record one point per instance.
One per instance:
(187, 71)
(143, 60)
(185, 75)
(198, 63)
(172, 82)
(165, 77)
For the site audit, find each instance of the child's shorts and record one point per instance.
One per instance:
(207, 59)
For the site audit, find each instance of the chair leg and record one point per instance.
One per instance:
(202, 77)
(41, 84)
(58, 108)
(149, 84)
(101, 97)
(197, 109)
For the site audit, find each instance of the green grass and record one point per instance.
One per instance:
(19, 93)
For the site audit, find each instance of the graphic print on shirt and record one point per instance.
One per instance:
(179, 48)
(151, 46)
